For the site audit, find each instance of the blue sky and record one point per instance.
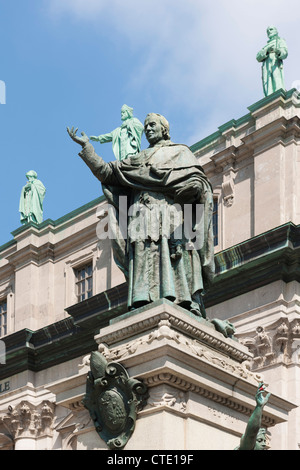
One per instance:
(76, 62)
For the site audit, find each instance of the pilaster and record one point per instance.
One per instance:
(31, 426)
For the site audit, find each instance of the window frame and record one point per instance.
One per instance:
(3, 314)
(84, 278)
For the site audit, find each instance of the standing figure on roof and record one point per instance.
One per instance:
(272, 56)
(126, 140)
(31, 200)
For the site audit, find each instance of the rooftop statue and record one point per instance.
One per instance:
(31, 200)
(159, 256)
(255, 436)
(126, 140)
(272, 56)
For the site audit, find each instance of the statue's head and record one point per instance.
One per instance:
(156, 128)
(31, 175)
(272, 32)
(261, 440)
(126, 112)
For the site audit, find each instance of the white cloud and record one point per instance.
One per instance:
(191, 33)
(197, 51)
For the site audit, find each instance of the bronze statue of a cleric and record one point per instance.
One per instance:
(158, 255)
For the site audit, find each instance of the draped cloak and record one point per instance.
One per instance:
(31, 202)
(156, 265)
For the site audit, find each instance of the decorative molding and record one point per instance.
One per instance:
(29, 421)
(31, 254)
(167, 397)
(228, 186)
(169, 325)
(186, 386)
(276, 343)
(259, 261)
(209, 350)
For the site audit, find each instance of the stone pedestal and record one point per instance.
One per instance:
(201, 390)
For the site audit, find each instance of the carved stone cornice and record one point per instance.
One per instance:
(165, 318)
(176, 400)
(31, 254)
(276, 131)
(26, 420)
(199, 349)
(258, 261)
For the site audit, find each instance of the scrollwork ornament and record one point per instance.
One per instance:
(113, 400)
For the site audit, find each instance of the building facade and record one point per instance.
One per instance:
(60, 287)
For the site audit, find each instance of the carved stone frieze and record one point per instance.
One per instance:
(173, 327)
(26, 420)
(190, 345)
(178, 401)
(167, 397)
(279, 342)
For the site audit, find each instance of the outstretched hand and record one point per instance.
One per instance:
(79, 140)
(261, 396)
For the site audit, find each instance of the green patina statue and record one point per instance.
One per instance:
(272, 56)
(159, 255)
(255, 436)
(31, 200)
(126, 140)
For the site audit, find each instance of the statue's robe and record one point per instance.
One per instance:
(31, 202)
(272, 65)
(157, 265)
(126, 140)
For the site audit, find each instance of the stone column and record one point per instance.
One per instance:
(30, 425)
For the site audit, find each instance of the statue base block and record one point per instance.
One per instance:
(201, 391)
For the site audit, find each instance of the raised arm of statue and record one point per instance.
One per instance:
(253, 439)
(102, 138)
(102, 170)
